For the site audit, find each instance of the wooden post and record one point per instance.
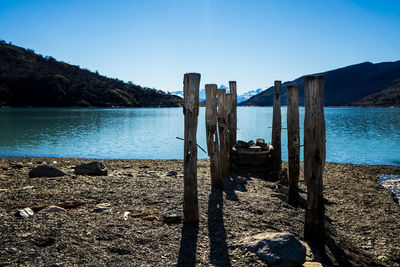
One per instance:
(232, 119)
(233, 113)
(212, 136)
(191, 84)
(276, 130)
(293, 131)
(223, 132)
(314, 159)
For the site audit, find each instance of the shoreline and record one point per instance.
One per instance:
(207, 158)
(361, 216)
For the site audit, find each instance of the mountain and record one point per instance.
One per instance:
(364, 84)
(240, 98)
(29, 79)
(243, 97)
(202, 93)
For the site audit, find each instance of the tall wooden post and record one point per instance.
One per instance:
(276, 130)
(223, 132)
(233, 113)
(293, 131)
(191, 84)
(314, 159)
(212, 136)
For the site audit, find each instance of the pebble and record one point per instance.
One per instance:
(51, 209)
(126, 215)
(128, 174)
(172, 173)
(17, 165)
(24, 213)
(102, 207)
(27, 187)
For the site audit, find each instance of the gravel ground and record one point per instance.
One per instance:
(362, 217)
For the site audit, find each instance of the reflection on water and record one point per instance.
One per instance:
(354, 135)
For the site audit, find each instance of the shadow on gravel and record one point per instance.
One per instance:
(219, 255)
(335, 251)
(187, 250)
(230, 185)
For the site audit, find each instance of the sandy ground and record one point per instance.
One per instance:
(362, 217)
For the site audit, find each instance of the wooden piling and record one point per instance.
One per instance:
(223, 132)
(314, 159)
(276, 130)
(232, 119)
(233, 114)
(191, 84)
(293, 132)
(212, 136)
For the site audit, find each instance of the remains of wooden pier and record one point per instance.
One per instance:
(226, 155)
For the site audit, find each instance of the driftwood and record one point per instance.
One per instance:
(212, 136)
(314, 159)
(191, 84)
(276, 130)
(293, 132)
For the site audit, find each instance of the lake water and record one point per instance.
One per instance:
(354, 135)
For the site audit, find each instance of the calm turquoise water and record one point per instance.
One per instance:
(354, 135)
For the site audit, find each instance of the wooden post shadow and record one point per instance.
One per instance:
(219, 255)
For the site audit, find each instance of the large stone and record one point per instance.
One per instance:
(93, 168)
(281, 249)
(45, 171)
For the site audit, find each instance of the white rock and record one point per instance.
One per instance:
(24, 213)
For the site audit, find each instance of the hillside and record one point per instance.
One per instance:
(364, 84)
(29, 79)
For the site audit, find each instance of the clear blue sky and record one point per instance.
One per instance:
(154, 42)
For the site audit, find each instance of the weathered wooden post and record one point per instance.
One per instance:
(314, 159)
(191, 84)
(276, 130)
(212, 136)
(233, 113)
(223, 132)
(293, 131)
(232, 119)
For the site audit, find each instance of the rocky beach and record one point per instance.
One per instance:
(131, 215)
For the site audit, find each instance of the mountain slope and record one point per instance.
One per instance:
(347, 86)
(28, 79)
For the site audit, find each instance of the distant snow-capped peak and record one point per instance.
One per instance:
(240, 98)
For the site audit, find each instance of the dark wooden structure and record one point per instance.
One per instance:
(252, 159)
